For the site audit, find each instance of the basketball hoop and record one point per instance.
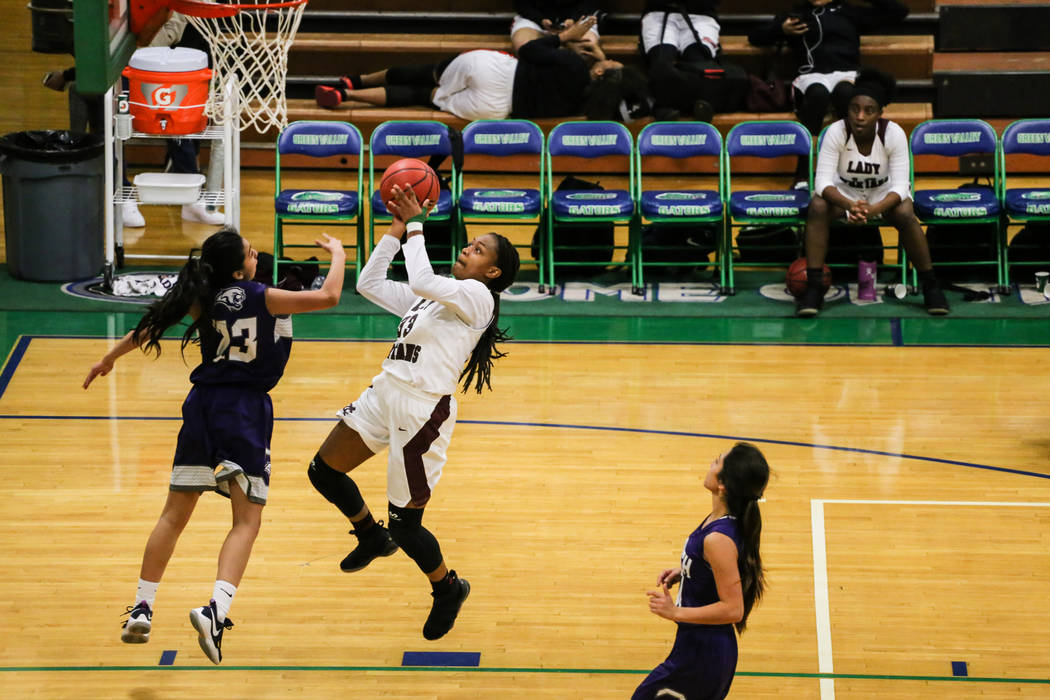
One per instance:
(250, 41)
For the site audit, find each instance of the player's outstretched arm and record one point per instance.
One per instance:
(105, 365)
(282, 301)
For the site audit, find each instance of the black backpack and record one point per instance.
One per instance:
(1031, 244)
(598, 238)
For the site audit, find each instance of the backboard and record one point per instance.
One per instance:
(106, 33)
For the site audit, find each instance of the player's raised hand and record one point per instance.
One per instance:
(404, 204)
(333, 245)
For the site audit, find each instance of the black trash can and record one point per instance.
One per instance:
(52, 22)
(54, 186)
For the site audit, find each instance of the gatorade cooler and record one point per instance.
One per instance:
(168, 90)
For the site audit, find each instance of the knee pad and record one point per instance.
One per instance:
(335, 486)
(406, 528)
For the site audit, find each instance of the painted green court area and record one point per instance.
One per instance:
(601, 312)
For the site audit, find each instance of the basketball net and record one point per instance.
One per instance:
(250, 41)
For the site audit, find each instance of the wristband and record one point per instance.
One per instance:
(413, 225)
(420, 217)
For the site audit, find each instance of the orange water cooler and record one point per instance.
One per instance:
(168, 90)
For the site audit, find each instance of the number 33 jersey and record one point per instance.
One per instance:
(442, 319)
(244, 344)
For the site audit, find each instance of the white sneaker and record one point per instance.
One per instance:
(200, 214)
(209, 630)
(136, 628)
(132, 217)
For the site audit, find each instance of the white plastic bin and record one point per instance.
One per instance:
(169, 188)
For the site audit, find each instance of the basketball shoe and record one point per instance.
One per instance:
(373, 543)
(445, 607)
(209, 630)
(135, 629)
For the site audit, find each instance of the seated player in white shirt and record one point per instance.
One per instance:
(862, 174)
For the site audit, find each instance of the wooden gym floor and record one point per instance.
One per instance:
(907, 526)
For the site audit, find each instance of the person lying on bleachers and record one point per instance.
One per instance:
(825, 38)
(546, 80)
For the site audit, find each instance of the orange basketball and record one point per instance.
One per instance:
(796, 278)
(410, 173)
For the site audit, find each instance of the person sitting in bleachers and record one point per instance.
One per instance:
(547, 80)
(537, 18)
(825, 38)
(687, 73)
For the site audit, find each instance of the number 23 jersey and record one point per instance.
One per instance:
(245, 344)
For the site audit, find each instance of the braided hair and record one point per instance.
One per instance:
(745, 474)
(479, 367)
(221, 254)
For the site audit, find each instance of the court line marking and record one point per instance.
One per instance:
(820, 574)
(496, 669)
(14, 357)
(609, 428)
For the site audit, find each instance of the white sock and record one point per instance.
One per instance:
(147, 591)
(222, 594)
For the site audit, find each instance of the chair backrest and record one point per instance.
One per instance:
(318, 139)
(679, 140)
(953, 137)
(502, 137)
(769, 139)
(1031, 136)
(411, 139)
(590, 140)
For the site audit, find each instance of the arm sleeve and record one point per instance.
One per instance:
(897, 152)
(469, 299)
(373, 284)
(769, 33)
(171, 31)
(546, 50)
(828, 158)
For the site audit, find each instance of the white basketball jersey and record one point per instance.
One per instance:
(442, 319)
(885, 169)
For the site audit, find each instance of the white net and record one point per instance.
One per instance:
(251, 45)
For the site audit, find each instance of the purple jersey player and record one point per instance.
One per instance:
(245, 335)
(721, 579)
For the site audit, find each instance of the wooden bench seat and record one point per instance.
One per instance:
(906, 57)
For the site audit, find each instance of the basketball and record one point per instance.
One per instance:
(410, 173)
(796, 278)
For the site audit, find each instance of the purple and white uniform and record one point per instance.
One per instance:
(227, 418)
(703, 660)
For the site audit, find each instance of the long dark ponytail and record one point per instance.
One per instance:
(479, 367)
(221, 254)
(745, 475)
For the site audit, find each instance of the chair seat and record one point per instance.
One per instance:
(662, 204)
(316, 203)
(489, 201)
(961, 204)
(768, 204)
(444, 205)
(598, 204)
(1028, 201)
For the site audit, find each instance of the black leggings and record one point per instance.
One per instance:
(670, 85)
(813, 104)
(412, 85)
